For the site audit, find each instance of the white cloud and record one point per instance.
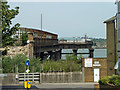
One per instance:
(61, 0)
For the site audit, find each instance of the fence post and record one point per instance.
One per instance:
(71, 77)
(83, 74)
(40, 77)
(58, 77)
(33, 77)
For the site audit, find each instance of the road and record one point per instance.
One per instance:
(54, 86)
(65, 86)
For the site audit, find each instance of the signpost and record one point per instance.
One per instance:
(27, 62)
(27, 84)
(88, 62)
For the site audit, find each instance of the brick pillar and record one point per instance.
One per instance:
(31, 40)
(91, 51)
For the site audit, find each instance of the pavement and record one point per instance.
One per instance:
(53, 86)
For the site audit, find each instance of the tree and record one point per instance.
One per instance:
(24, 38)
(7, 65)
(8, 31)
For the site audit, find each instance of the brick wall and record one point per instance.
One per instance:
(111, 47)
(89, 71)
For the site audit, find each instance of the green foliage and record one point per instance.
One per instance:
(115, 80)
(19, 61)
(4, 52)
(63, 65)
(71, 57)
(105, 80)
(24, 38)
(7, 30)
(35, 65)
(7, 64)
(11, 64)
(74, 58)
(100, 42)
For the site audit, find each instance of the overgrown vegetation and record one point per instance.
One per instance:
(113, 80)
(10, 65)
(63, 65)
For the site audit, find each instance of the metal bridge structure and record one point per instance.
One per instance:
(52, 47)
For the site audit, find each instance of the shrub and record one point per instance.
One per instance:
(10, 65)
(35, 65)
(19, 62)
(114, 80)
(7, 65)
(63, 65)
(105, 80)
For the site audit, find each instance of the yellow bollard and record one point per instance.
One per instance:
(29, 84)
(25, 84)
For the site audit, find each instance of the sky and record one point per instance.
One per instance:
(67, 19)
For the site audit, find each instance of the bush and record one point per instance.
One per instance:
(114, 80)
(35, 65)
(7, 65)
(105, 80)
(10, 65)
(63, 65)
(19, 62)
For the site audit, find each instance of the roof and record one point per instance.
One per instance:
(110, 20)
(36, 30)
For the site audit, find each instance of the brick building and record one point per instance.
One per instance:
(39, 33)
(97, 68)
(95, 71)
(111, 45)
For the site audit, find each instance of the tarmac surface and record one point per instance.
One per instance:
(53, 86)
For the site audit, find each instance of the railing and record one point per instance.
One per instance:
(75, 42)
(33, 77)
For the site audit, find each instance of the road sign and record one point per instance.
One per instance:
(27, 71)
(88, 62)
(27, 62)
